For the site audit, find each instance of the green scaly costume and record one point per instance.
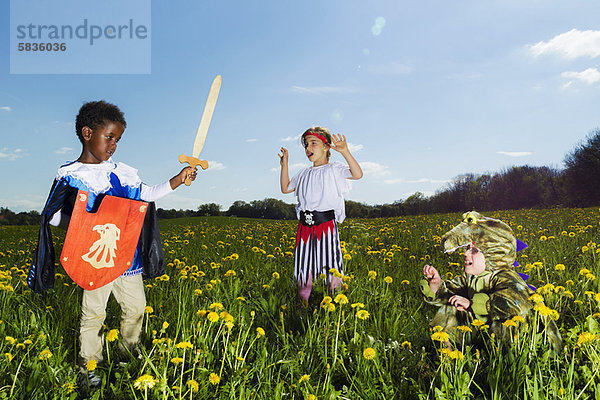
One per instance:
(498, 293)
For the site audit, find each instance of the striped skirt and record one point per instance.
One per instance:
(317, 251)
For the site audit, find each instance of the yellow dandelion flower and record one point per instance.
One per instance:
(369, 353)
(464, 328)
(405, 282)
(8, 357)
(45, 354)
(585, 337)
(388, 279)
(91, 365)
(213, 316)
(584, 249)
(456, 355)
(265, 286)
(184, 345)
(225, 316)
(260, 331)
(240, 298)
(193, 385)
(518, 318)
(347, 257)
(176, 360)
(536, 298)
(148, 310)
(198, 292)
(201, 313)
(330, 307)
(276, 275)
(406, 344)
(341, 299)
(112, 335)
(477, 322)
(165, 325)
(230, 273)
(559, 267)
(590, 276)
(216, 306)
(214, 378)
(362, 314)
(145, 382)
(584, 271)
(359, 305)
(440, 336)
(509, 322)
(303, 378)
(372, 274)
(311, 397)
(11, 340)
(597, 297)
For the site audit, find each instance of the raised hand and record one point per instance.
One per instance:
(433, 276)
(283, 157)
(339, 143)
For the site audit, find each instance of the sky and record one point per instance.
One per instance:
(424, 91)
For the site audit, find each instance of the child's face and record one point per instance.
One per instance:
(474, 260)
(316, 150)
(100, 144)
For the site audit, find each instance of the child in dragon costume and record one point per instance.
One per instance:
(489, 289)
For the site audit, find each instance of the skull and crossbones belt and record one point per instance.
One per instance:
(314, 218)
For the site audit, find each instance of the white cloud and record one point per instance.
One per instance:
(373, 168)
(291, 138)
(571, 44)
(292, 167)
(24, 203)
(515, 153)
(64, 150)
(6, 154)
(394, 68)
(323, 90)
(251, 140)
(354, 147)
(215, 166)
(5, 108)
(589, 76)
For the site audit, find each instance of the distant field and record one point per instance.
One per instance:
(224, 322)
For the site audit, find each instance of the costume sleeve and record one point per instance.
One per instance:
(341, 173)
(446, 290)
(294, 181)
(41, 272)
(508, 296)
(153, 193)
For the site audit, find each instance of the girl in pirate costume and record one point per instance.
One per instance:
(320, 190)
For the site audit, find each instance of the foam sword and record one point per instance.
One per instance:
(193, 161)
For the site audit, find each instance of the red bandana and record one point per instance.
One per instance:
(316, 135)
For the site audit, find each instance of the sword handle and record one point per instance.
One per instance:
(193, 162)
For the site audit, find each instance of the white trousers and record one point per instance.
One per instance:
(129, 293)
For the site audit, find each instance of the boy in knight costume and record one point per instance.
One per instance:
(490, 289)
(99, 126)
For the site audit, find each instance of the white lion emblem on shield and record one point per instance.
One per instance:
(103, 251)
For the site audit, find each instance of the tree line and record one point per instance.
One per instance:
(576, 185)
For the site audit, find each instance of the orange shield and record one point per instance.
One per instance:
(100, 246)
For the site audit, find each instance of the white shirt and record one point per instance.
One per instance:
(322, 188)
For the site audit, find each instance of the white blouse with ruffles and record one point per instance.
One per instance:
(322, 188)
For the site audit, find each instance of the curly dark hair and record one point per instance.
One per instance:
(94, 114)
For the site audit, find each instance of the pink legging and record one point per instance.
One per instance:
(304, 290)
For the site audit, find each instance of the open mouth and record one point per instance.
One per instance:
(309, 155)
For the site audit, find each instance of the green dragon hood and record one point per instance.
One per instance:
(493, 237)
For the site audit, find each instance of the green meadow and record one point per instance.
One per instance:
(224, 321)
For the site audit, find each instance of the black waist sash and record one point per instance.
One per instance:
(313, 218)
